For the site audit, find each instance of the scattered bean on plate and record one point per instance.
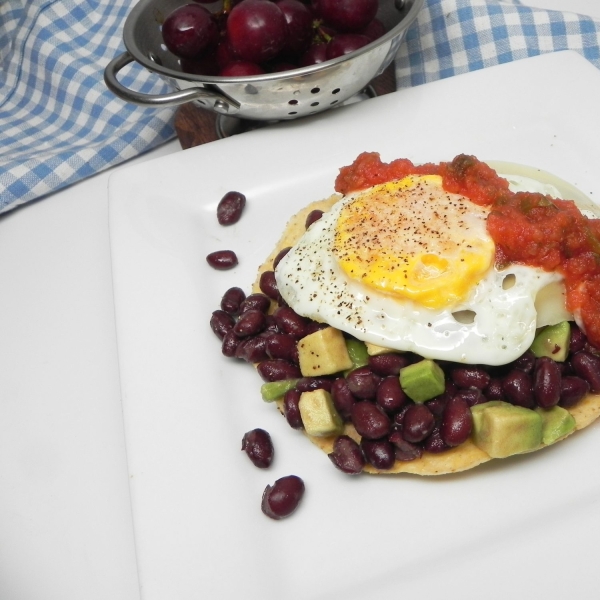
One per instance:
(230, 208)
(222, 259)
(257, 444)
(282, 498)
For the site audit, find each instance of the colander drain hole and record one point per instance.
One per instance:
(316, 90)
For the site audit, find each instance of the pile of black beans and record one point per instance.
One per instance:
(261, 329)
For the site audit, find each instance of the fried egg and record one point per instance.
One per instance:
(409, 266)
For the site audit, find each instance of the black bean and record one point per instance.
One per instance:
(525, 362)
(470, 377)
(252, 349)
(342, 397)
(291, 408)
(271, 325)
(399, 417)
(546, 382)
(363, 383)
(283, 497)
(518, 389)
(347, 455)
(256, 301)
(494, 389)
(268, 285)
(457, 421)
(222, 259)
(387, 364)
(566, 368)
(281, 345)
(257, 444)
(277, 369)
(572, 390)
(587, 366)
(221, 322)
(280, 255)
(370, 421)
(230, 344)
(232, 300)
(251, 322)
(418, 423)
(390, 396)
(578, 339)
(313, 215)
(379, 453)
(434, 442)
(290, 322)
(436, 405)
(230, 207)
(404, 451)
(472, 396)
(308, 384)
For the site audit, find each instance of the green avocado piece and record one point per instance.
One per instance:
(273, 390)
(319, 416)
(556, 423)
(357, 351)
(501, 429)
(477, 412)
(553, 341)
(422, 381)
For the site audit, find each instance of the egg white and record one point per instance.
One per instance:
(494, 325)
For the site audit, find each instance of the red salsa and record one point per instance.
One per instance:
(527, 228)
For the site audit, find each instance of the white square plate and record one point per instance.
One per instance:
(524, 526)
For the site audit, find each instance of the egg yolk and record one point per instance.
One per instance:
(413, 240)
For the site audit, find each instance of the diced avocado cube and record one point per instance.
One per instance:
(477, 412)
(375, 350)
(422, 381)
(273, 390)
(556, 423)
(501, 429)
(323, 352)
(357, 352)
(553, 341)
(319, 416)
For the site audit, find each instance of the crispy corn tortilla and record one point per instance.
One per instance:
(461, 458)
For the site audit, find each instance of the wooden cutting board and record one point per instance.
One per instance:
(195, 125)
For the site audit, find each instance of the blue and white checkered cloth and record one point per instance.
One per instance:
(59, 123)
(457, 36)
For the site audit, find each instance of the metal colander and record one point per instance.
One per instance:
(273, 96)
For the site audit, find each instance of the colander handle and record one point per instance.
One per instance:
(217, 102)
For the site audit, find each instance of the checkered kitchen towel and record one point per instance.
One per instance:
(457, 36)
(59, 123)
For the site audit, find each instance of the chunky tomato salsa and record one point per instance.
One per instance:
(527, 228)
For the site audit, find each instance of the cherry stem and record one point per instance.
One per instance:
(321, 35)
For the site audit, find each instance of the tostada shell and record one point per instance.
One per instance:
(455, 460)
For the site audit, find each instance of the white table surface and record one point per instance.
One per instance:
(65, 516)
